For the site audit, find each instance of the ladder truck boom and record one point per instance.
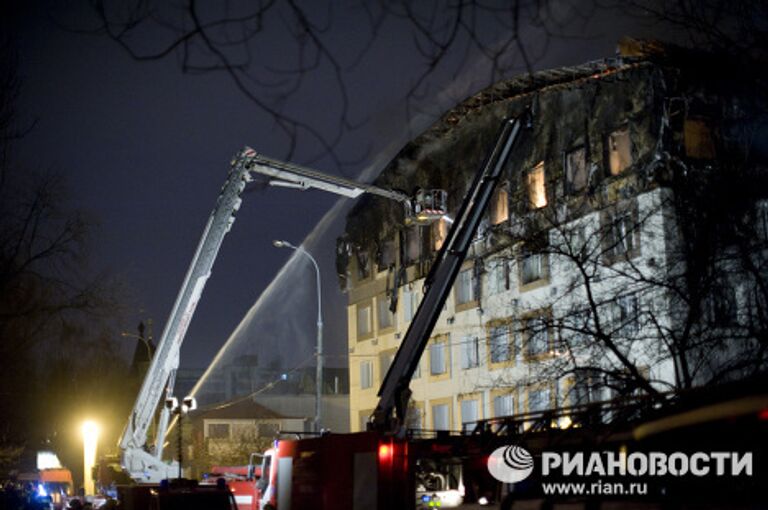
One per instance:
(145, 464)
(394, 391)
(141, 464)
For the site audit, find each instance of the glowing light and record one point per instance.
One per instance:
(385, 452)
(90, 441)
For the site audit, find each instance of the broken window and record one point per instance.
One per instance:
(363, 320)
(576, 174)
(466, 290)
(439, 231)
(697, 136)
(366, 374)
(412, 244)
(363, 264)
(385, 256)
(619, 150)
(385, 316)
(500, 205)
(537, 192)
(536, 333)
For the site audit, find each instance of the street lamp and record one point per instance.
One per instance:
(146, 341)
(187, 404)
(319, 372)
(90, 440)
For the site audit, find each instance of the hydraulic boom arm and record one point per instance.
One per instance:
(394, 392)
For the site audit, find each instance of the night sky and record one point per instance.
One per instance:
(146, 149)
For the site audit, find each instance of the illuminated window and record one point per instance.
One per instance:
(698, 139)
(366, 374)
(363, 320)
(619, 150)
(500, 205)
(576, 175)
(439, 230)
(537, 191)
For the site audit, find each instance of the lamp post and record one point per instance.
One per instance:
(181, 409)
(319, 372)
(145, 340)
(90, 440)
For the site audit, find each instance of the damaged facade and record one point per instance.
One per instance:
(624, 251)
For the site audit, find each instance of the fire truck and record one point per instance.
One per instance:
(141, 459)
(385, 467)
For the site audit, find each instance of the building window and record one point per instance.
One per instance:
(720, 306)
(439, 232)
(438, 362)
(268, 430)
(218, 430)
(536, 186)
(412, 244)
(498, 277)
(470, 352)
(699, 143)
(410, 303)
(469, 412)
(500, 205)
(626, 315)
(537, 337)
(499, 343)
(619, 150)
(441, 417)
(363, 264)
(622, 233)
(385, 361)
(414, 417)
(503, 405)
(576, 175)
(576, 329)
(417, 372)
(366, 374)
(587, 387)
(385, 316)
(363, 320)
(539, 400)
(465, 287)
(385, 255)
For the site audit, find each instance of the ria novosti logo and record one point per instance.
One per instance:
(510, 464)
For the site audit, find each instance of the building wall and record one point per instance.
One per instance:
(616, 201)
